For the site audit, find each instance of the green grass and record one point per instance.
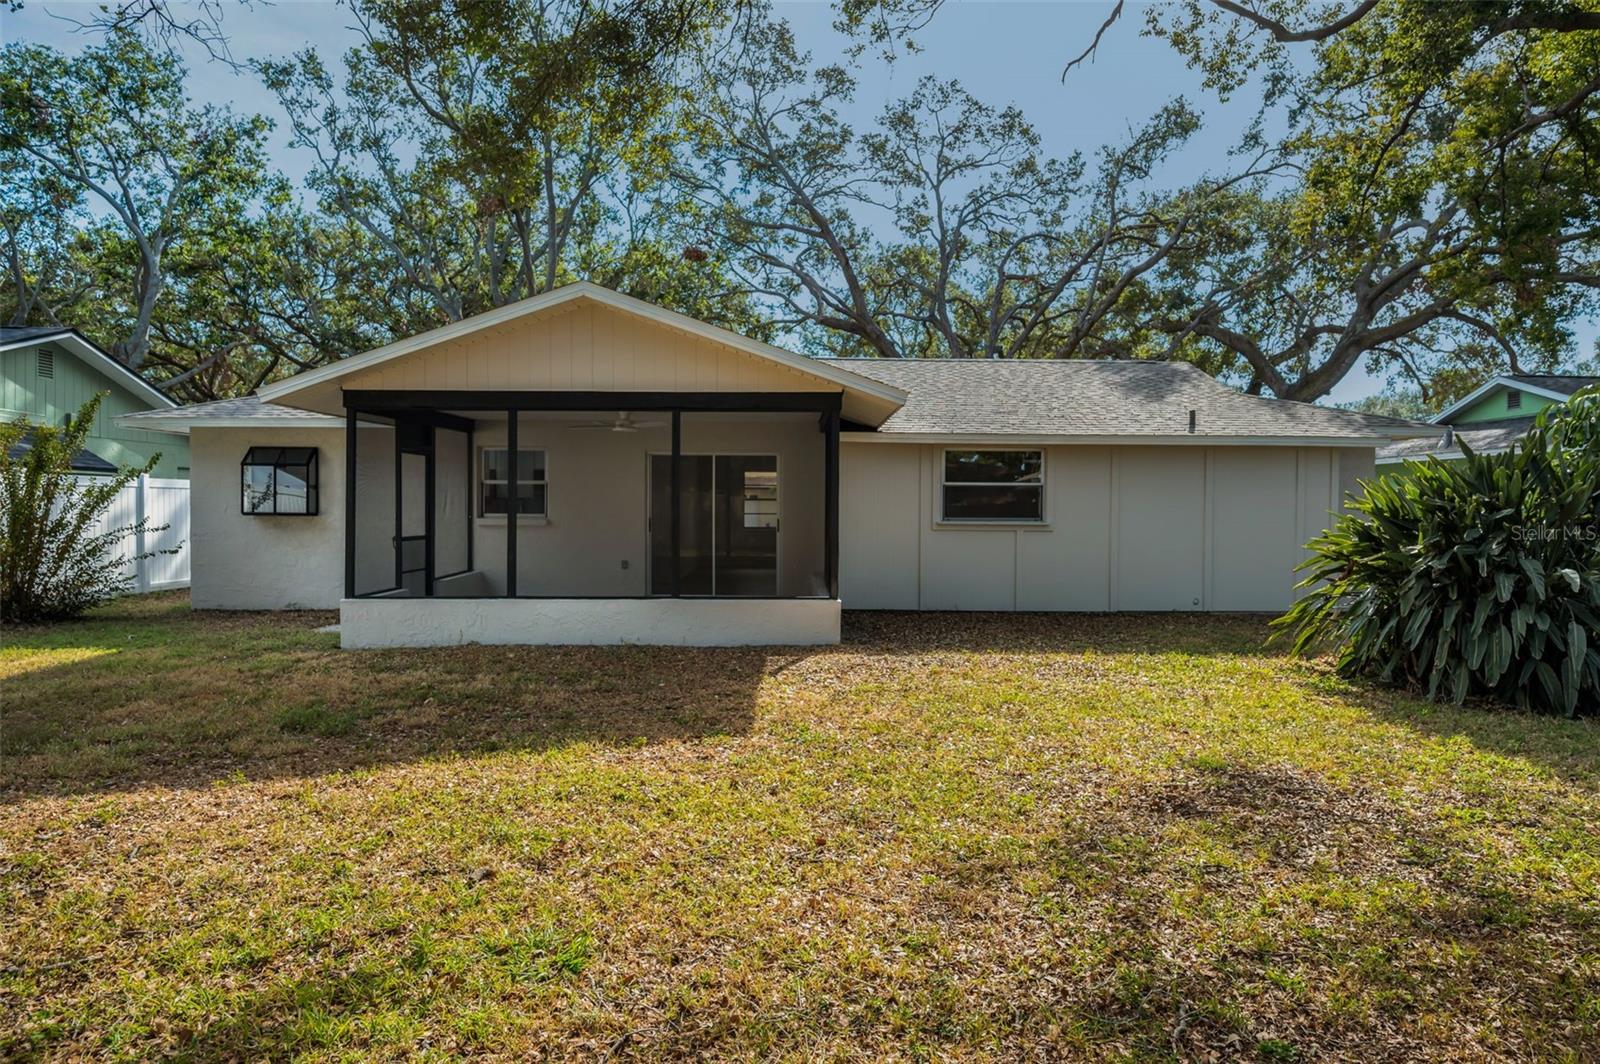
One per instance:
(954, 836)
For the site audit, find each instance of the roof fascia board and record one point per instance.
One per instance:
(98, 360)
(1127, 440)
(180, 426)
(555, 297)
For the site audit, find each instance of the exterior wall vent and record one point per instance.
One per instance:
(47, 362)
(1513, 400)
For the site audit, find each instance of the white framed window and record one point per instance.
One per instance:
(1005, 486)
(498, 484)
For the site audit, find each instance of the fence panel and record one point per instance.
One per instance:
(164, 502)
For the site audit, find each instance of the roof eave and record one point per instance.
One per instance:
(91, 355)
(1183, 439)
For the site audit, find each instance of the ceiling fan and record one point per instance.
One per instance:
(623, 423)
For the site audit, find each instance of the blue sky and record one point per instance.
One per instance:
(1002, 52)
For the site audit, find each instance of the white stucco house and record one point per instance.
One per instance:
(583, 467)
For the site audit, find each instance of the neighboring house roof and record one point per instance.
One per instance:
(1559, 387)
(1484, 437)
(1111, 400)
(228, 413)
(1568, 384)
(82, 461)
(583, 290)
(88, 353)
(8, 333)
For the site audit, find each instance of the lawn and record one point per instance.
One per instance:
(953, 836)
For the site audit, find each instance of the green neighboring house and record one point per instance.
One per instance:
(47, 374)
(1491, 420)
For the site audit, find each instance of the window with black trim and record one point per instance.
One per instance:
(495, 482)
(279, 481)
(993, 485)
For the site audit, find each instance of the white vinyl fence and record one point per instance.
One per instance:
(164, 502)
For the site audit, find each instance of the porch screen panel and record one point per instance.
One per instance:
(452, 495)
(374, 539)
(695, 525)
(414, 521)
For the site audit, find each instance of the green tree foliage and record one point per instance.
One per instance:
(491, 149)
(153, 226)
(1447, 211)
(112, 124)
(53, 563)
(941, 231)
(1474, 578)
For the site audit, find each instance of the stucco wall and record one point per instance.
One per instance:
(263, 563)
(1127, 528)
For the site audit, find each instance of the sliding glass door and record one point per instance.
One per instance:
(727, 525)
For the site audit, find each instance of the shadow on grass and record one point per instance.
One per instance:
(1568, 749)
(144, 694)
(1200, 634)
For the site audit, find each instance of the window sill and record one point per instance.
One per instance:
(523, 520)
(1024, 525)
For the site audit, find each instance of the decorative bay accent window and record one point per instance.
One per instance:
(495, 482)
(992, 486)
(279, 481)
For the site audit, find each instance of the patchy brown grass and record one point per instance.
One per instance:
(954, 836)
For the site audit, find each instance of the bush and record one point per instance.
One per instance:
(1480, 577)
(53, 564)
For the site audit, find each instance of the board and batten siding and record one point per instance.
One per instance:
(585, 347)
(49, 400)
(1127, 528)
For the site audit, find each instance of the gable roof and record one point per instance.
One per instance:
(1557, 386)
(89, 354)
(1103, 400)
(286, 390)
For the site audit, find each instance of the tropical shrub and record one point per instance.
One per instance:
(1479, 577)
(53, 562)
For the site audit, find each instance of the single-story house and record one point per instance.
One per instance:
(47, 374)
(584, 467)
(1491, 419)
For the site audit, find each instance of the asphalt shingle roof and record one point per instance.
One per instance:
(1482, 436)
(1030, 398)
(1566, 384)
(248, 407)
(1099, 398)
(10, 334)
